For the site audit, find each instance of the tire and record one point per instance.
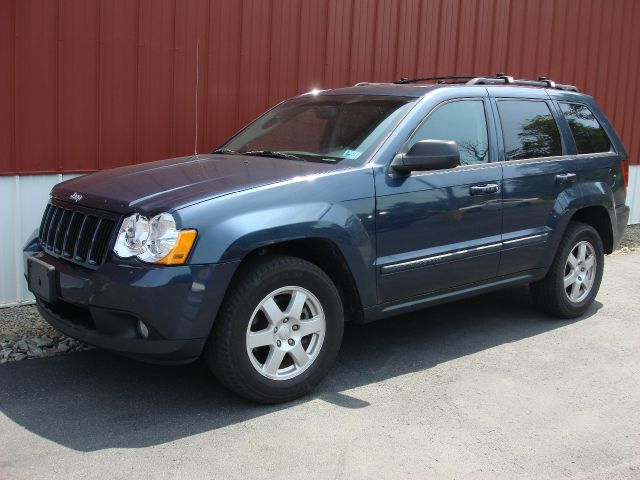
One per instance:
(550, 294)
(243, 350)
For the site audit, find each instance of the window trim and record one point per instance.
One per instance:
(612, 149)
(493, 157)
(551, 108)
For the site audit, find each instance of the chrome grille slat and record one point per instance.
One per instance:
(44, 220)
(77, 234)
(85, 239)
(61, 231)
(90, 258)
(80, 233)
(71, 237)
(47, 222)
(53, 226)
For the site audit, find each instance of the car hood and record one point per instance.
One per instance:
(170, 184)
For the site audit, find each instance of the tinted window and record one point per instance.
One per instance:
(323, 128)
(529, 129)
(587, 132)
(465, 123)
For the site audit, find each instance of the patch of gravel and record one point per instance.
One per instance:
(631, 240)
(24, 333)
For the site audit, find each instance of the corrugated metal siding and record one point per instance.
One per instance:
(90, 84)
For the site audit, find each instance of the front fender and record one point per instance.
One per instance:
(339, 209)
(237, 236)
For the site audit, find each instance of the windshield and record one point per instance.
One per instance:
(321, 128)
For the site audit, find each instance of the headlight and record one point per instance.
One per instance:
(155, 241)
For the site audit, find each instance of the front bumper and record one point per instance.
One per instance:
(103, 307)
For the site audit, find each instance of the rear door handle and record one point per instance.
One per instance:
(566, 178)
(484, 189)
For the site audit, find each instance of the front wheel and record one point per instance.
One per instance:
(278, 332)
(573, 280)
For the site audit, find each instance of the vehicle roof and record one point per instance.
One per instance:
(419, 90)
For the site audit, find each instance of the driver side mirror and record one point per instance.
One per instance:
(428, 155)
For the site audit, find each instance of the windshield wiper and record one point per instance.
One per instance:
(269, 153)
(226, 151)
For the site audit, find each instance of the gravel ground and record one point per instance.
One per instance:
(631, 240)
(24, 334)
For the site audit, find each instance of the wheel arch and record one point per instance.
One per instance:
(323, 253)
(597, 217)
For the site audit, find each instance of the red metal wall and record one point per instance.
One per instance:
(90, 84)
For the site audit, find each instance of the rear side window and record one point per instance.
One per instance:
(587, 132)
(529, 129)
(463, 122)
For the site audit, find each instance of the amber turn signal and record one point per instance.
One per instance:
(179, 253)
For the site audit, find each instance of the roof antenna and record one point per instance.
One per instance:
(195, 145)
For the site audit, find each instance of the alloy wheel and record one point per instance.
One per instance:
(285, 333)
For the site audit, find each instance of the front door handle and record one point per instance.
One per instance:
(484, 189)
(566, 178)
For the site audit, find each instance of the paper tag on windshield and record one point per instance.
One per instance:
(352, 154)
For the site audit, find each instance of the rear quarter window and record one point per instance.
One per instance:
(529, 129)
(587, 132)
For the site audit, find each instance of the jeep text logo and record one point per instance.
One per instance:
(76, 197)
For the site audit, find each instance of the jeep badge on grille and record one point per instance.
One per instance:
(75, 196)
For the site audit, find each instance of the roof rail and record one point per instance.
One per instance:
(499, 79)
(405, 80)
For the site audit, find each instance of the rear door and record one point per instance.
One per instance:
(441, 229)
(538, 173)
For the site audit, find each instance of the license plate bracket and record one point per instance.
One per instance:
(42, 279)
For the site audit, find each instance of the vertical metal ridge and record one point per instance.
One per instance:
(267, 93)
(205, 81)
(99, 14)
(396, 72)
(14, 88)
(418, 36)
(172, 94)
(136, 119)
(241, 52)
(13, 162)
(58, 89)
(623, 83)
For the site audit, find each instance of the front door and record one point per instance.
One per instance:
(441, 229)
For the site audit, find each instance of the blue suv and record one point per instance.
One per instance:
(351, 204)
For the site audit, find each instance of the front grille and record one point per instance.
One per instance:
(77, 234)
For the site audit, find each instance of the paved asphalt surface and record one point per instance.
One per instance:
(484, 388)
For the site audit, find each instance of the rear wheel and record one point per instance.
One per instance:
(278, 332)
(573, 280)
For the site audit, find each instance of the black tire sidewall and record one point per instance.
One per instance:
(311, 278)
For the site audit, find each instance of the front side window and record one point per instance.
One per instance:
(463, 122)
(529, 129)
(587, 132)
(322, 128)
